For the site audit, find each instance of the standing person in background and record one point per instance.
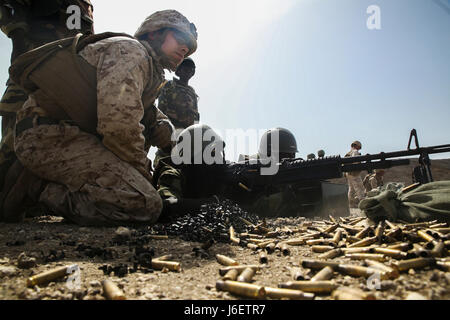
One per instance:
(355, 184)
(374, 180)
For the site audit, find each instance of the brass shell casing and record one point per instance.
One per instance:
(231, 275)
(171, 265)
(242, 289)
(226, 261)
(318, 264)
(246, 275)
(417, 263)
(310, 286)
(111, 291)
(364, 256)
(278, 293)
(393, 253)
(47, 276)
(223, 271)
(331, 254)
(323, 275)
(346, 293)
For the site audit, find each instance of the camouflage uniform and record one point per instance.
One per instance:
(179, 103)
(372, 181)
(103, 179)
(355, 184)
(35, 25)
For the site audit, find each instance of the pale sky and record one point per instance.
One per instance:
(312, 66)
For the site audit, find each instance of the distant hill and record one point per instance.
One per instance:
(439, 168)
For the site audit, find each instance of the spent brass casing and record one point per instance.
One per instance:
(246, 275)
(379, 231)
(351, 230)
(359, 271)
(443, 265)
(223, 271)
(337, 236)
(263, 245)
(231, 275)
(112, 291)
(285, 250)
(295, 242)
(363, 233)
(438, 250)
(170, 265)
(391, 225)
(356, 221)
(346, 293)
(364, 256)
(158, 237)
(242, 289)
(298, 274)
(320, 242)
(424, 235)
(393, 253)
(442, 230)
(394, 233)
(352, 239)
(270, 248)
(278, 293)
(321, 249)
(419, 224)
(331, 254)
(252, 246)
(359, 250)
(417, 263)
(226, 261)
(323, 275)
(263, 258)
(48, 276)
(318, 264)
(447, 244)
(438, 225)
(404, 246)
(256, 241)
(332, 219)
(390, 272)
(363, 243)
(233, 237)
(164, 258)
(272, 234)
(331, 228)
(310, 286)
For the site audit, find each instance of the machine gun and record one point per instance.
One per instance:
(248, 175)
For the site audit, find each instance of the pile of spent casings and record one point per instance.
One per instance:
(212, 223)
(348, 247)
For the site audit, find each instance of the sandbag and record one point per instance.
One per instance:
(429, 201)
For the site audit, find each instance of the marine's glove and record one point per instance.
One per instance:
(161, 136)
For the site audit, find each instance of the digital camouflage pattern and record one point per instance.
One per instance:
(372, 181)
(179, 103)
(355, 183)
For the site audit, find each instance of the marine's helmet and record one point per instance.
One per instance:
(356, 144)
(199, 144)
(286, 145)
(170, 19)
(311, 156)
(321, 153)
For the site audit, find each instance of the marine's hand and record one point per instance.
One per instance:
(162, 134)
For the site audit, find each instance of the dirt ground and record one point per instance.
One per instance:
(37, 237)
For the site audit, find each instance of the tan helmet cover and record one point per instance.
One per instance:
(170, 19)
(357, 143)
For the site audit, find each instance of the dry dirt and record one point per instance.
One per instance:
(36, 237)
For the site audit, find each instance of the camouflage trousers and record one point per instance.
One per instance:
(12, 100)
(355, 190)
(89, 184)
(167, 179)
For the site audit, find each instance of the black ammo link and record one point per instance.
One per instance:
(27, 123)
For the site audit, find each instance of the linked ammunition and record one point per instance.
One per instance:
(50, 275)
(171, 265)
(364, 256)
(242, 289)
(318, 264)
(111, 291)
(359, 271)
(417, 263)
(246, 275)
(396, 254)
(277, 293)
(231, 275)
(270, 248)
(363, 243)
(425, 236)
(223, 271)
(331, 254)
(390, 272)
(323, 275)
(297, 274)
(321, 249)
(285, 250)
(263, 258)
(310, 286)
(226, 261)
(337, 236)
(363, 233)
(233, 237)
(404, 246)
(346, 293)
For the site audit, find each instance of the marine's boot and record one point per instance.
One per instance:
(21, 186)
